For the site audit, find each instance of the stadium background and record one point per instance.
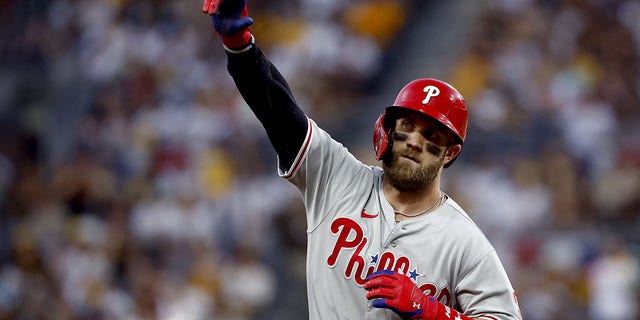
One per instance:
(135, 184)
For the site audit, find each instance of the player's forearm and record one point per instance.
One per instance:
(442, 312)
(447, 313)
(268, 95)
(259, 82)
(439, 311)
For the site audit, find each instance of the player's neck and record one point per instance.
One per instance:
(413, 202)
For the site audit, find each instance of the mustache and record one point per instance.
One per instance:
(430, 147)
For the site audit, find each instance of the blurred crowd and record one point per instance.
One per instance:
(135, 183)
(552, 163)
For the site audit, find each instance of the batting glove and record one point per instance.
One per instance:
(231, 21)
(396, 292)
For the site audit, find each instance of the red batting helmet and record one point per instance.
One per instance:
(434, 98)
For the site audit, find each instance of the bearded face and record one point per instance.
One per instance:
(420, 148)
(407, 176)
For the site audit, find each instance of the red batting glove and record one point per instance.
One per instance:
(230, 20)
(396, 292)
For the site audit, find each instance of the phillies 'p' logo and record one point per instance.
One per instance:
(431, 91)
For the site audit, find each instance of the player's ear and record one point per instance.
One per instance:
(451, 152)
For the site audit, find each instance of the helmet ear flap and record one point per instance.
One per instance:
(380, 137)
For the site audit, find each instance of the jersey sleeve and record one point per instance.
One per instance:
(324, 171)
(268, 95)
(319, 166)
(485, 291)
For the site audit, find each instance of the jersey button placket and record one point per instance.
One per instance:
(400, 231)
(395, 234)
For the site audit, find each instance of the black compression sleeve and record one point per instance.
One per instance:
(268, 95)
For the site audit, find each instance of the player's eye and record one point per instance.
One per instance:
(407, 125)
(429, 133)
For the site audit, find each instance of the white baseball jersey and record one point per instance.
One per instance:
(352, 233)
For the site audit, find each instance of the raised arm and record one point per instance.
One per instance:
(261, 85)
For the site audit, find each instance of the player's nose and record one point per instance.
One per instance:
(415, 141)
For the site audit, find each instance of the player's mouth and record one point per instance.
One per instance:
(410, 157)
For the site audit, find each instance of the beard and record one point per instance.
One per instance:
(406, 177)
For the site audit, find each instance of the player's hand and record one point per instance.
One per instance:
(230, 20)
(395, 291)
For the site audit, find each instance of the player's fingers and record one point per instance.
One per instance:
(380, 272)
(210, 6)
(383, 280)
(205, 6)
(381, 293)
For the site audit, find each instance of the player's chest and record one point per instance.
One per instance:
(360, 240)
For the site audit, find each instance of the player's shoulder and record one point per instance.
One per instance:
(460, 223)
(333, 150)
(470, 240)
(456, 211)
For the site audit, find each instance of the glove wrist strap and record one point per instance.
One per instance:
(238, 41)
(437, 311)
(431, 309)
(246, 48)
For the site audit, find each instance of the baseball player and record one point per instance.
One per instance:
(383, 242)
